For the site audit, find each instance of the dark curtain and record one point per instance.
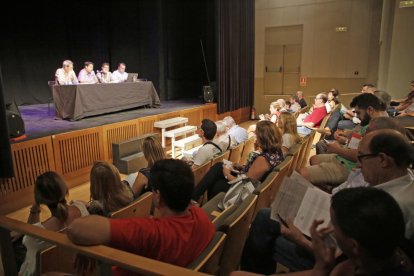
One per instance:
(235, 62)
(6, 161)
(159, 39)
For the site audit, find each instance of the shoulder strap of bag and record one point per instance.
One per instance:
(211, 143)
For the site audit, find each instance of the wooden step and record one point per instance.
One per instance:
(180, 131)
(170, 122)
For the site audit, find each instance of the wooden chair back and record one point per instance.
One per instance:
(308, 149)
(141, 207)
(264, 193)
(200, 172)
(283, 170)
(248, 148)
(235, 153)
(236, 226)
(220, 158)
(105, 256)
(294, 151)
(209, 260)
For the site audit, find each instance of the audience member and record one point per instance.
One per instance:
(120, 75)
(153, 151)
(332, 99)
(87, 75)
(223, 139)
(218, 177)
(295, 106)
(209, 149)
(104, 76)
(368, 227)
(178, 237)
(50, 190)
(275, 108)
(305, 123)
(301, 101)
(368, 88)
(333, 168)
(384, 158)
(288, 127)
(108, 193)
(237, 133)
(66, 75)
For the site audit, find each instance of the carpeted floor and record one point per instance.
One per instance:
(40, 120)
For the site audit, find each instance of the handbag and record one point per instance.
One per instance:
(241, 188)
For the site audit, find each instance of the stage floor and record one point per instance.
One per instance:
(40, 121)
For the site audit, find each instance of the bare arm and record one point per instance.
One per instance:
(349, 154)
(140, 182)
(259, 167)
(90, 230)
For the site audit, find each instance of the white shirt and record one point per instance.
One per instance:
(205, 153)
(34, 245)
(238, 133)
(119, 77)
(328, 107)
(104, 78)
(64, 78)
(223, 142)
(295, 107)
(402, 190)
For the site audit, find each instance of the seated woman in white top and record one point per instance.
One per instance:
(288, 126)
(50, 190)
(120, 75)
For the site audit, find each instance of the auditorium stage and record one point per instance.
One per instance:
(40, 119)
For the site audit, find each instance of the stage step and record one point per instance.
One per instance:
(164, 124)
(174, 133)
(192, 141)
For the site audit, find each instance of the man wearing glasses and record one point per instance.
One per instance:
(315, 118)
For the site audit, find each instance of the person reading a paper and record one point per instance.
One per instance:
(331, 169)
(368, 227)
(384, 157)
(219, 177)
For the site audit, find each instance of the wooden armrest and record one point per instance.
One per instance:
(106, 255)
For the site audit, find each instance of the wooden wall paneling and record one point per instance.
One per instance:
(244, 114)
(30, 159)
(113, 133)
(75, 153)
(222, 115)
(209, 112)
(194, 116)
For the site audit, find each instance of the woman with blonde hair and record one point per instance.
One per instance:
(108, 193)
(288, 126)
(270, 155)
(49, 190)
(153, 152)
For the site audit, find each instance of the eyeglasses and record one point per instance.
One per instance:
(361, 156)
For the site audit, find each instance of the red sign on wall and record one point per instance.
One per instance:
(303, 81)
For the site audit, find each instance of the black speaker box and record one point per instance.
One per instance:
(15, 124)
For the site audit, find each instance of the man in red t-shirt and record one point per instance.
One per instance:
(177, 237)
(315, 118)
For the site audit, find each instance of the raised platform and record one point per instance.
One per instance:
(71, 148)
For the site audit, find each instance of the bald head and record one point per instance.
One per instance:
(391, 143)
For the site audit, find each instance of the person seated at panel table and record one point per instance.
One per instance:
(104, 76)
(66, 75)
(120, 75)
(87, 75)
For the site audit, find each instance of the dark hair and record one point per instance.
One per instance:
(335, 93)
(395, 145)
(87, 63)
(370, 216)
(295, 97)
(175, 181)
(324, 97)
(105, 64)
(121, 63)
(366, 100)
(209, 128)
(51, 190)
(268, 136)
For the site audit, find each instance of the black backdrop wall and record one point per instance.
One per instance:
(159, 39)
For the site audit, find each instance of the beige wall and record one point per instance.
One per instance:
(329, 58)
(397, 68)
